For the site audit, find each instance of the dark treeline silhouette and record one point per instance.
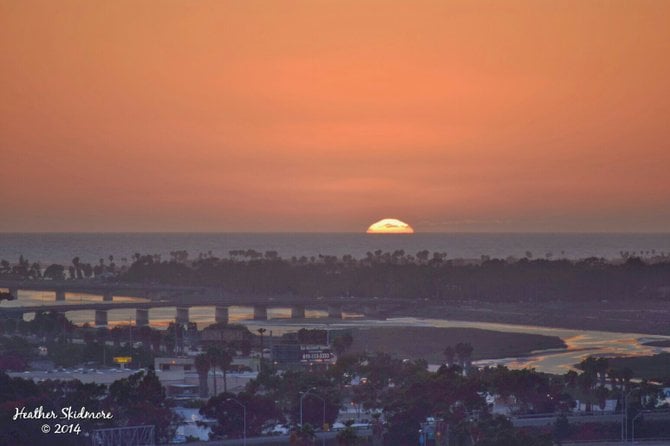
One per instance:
(391, 274)
(398, 275)
(121, 399)
(26, 270)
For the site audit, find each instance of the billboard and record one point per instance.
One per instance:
(292, 353)
(317, 355)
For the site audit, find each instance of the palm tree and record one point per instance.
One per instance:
(590, 369)
(464, 353)
(626, 376)
(222, 358)
(156, 339)
(449, 354)
(77, 267)
(225, 360)
(571, 378)
(601, 367)
(202, 366)
(35, 271)
(213, 354)
(144, 335)
(261, 331)
(614, 375)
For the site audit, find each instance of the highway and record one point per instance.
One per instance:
(180, 295)
(550, 419)
(278, 439)
(656, 442)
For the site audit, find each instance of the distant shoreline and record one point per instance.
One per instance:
(642, 317)
(361, 232)
(61, 247)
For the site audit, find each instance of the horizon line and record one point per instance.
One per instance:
(343, 232)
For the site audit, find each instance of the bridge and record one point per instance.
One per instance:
(182, 298)
(106, 289)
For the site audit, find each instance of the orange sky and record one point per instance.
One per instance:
(323, 115)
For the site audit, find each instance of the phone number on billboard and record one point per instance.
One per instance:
(310, 356)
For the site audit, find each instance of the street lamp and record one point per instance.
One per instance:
(244, 418)
(309, 392)
(632, 437)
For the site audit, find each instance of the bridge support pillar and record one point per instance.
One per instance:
(60, 295)
(260, 313)
(141, 317)
(107, 297)
(14, 292)
(298, 312)
(101, 318)
(334, 312)
(221, 315)
(182, 315)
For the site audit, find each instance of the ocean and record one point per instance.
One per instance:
(49, 248)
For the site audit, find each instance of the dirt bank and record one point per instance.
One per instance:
(645, 317)
(429, 342)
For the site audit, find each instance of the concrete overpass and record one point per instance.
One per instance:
(108, 290)
(183, 298)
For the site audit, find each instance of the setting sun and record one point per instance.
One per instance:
(390, 226)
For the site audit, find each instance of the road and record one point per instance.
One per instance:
(187, 296)
(278, 440)
(549, 420)
(619, 443)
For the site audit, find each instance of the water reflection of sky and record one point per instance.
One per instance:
(580, 343)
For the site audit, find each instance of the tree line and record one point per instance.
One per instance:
(420, 276)
(396, 274)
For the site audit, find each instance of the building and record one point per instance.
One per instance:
(231, 334)
(183, 364)
(180, 391)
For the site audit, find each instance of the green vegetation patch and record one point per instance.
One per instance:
(653, 368)
(429, 342)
